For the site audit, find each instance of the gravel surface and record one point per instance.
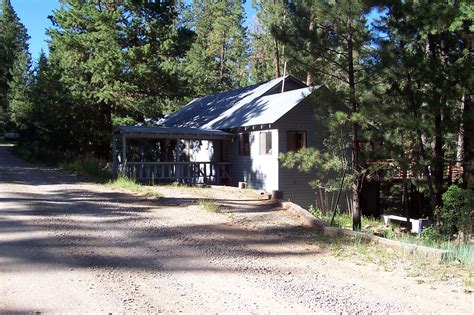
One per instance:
(69, 246)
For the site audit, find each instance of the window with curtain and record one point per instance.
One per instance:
(296, 140)
(265, 143)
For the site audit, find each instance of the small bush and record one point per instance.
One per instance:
(430, 235)
(456, 212)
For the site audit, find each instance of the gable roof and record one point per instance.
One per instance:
(252, 105)
(260, 111)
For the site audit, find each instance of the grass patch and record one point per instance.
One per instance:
(128, 184)
(387, 259)
(457, 252)
(469, 281)
(343, 220)
(209, 205)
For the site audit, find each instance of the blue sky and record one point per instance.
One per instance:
(34, 15)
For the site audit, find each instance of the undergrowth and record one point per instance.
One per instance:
(457, 252)
(342, 220)
(88, 167)
(34, 152)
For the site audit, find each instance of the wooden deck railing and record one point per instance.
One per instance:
(184, 172)
(393, 171)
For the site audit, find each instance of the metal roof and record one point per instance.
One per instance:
(208, 111)
(260, 111)
(172, 133)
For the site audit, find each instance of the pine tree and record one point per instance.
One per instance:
(56, 120)
(13, 45)
(117, 58)
(267, 51)
(333, 39)
(217, 58)
(19, 95)
(426, 69)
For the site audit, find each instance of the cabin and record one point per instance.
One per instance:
(228, 138)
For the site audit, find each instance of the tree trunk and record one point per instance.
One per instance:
(357, 181)
(309, 75)
(104, 130)
(438, 165)
(468, 118)
(277, 58)
(460, 143)
(222, 65)
(440, 102)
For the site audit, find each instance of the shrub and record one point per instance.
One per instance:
(429, 235)
(456, 212)
(35, 152)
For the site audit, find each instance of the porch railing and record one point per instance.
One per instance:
(184, 172)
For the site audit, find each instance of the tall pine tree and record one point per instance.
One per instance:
(426, 68)
(13, 45)
(117, 58)
(333, 39)
(218, 57)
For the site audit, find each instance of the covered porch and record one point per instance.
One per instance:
(164, 155)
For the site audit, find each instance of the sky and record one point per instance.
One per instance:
(34, 15)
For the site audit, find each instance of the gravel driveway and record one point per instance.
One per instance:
(69, 246)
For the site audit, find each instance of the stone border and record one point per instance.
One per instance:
(310, 221)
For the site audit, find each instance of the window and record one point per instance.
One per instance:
(265, 143)
(296, 140)
(244, 144)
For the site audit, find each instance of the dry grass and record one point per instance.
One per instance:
(412, 265)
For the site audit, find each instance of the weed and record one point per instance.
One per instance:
(208, 205)
(469, 281)
(123, 182)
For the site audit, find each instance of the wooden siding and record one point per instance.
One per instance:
(259, 171)
(295, 184)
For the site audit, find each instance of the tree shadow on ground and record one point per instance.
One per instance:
(83, 229)
(69, 226)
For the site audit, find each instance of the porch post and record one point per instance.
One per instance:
(114, 157)
(124, 152)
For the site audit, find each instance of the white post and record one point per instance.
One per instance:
(114, 158)
(124, 152)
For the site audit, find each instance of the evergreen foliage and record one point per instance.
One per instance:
(13, 46)
(425, 69)
(457, 212)
(398, 86)
(118, 58)
(334, 39)
(217, 58)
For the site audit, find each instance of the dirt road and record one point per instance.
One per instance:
(68, 246)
